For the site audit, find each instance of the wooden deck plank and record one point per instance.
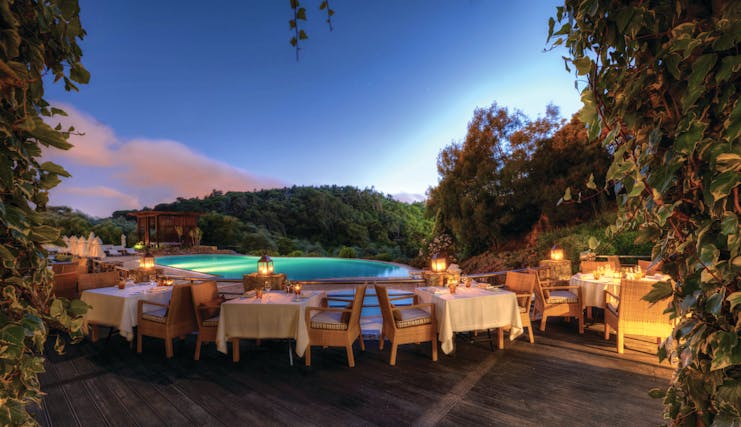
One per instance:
(564, 378)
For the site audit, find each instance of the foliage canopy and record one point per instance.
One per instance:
(38, 39)
(661, 93)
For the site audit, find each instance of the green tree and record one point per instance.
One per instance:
(38, 39)
(661, 93)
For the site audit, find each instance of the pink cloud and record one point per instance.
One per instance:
(110, 173)
(98, 201)
(409, 197)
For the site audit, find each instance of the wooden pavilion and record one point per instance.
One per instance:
(155, 227)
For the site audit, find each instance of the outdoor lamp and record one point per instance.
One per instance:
(557, 252)
(438, 263)
(147, 260)
(264, 265)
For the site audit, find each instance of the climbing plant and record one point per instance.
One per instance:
(659, 82)
(38, 45)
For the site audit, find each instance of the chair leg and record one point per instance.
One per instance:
(581, 323)
(542, 322)
(362, 343)
(607, 331)
(198, 348)
(93, 333)
(235, 350)
(394, 346)
(620, 342)
(139, 341)
(500, 338)
(530, 331)
(589, 313)
(381, 340)
(434, 347)
(168, 347)
(350, 356)
(307, 355)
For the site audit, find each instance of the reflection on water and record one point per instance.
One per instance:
(234, 266)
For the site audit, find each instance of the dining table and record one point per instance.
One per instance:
(471, 309)
(593, 289)
(117, 308)
(276, 315)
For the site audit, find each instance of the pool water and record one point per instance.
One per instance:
(296, 268)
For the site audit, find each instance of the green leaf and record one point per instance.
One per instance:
(659, 291)
(293, 41)
(657, 393)
(734, 299)
(637, 189)
(323, 5)
(709, 254)
(592, 243)
(301, 14)
(78, 308)
(590, 182)
(722, 184)
(52, 167)
(687, 141)
(302, 35)
(714, 303)
(79, 74)
(583, 65)
(725, 162)
(567, 194)
(729, 224)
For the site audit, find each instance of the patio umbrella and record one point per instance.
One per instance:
(73, 245)
(81, 247)
(98, 251)
(123, 240)
(90, 244)
(65, 239)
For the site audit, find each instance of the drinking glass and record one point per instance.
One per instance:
(268, 287)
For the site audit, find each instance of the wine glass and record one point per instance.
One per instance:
(268, 288)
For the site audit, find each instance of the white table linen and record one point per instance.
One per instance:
(279, 315)
(593, 290)
(116, 307)
(471, 309)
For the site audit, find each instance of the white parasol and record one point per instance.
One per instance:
(65, 239)
(81, 247)
(96, 248)
(73, 245)
(123, 240)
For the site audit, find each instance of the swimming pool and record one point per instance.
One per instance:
(296, 268)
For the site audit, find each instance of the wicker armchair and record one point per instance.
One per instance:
(590, 266)
(558, 301)
(404, 325)
(206, 307)
(336, 327)
(629, 314)
(175, 319)
(97, 280)
(522, 284)
(650, 267)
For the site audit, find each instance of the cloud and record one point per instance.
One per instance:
(129, 174)
(409, 197)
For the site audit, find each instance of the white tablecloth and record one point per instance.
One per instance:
(471, 309)
(593, 291)
(117, 307)
(277, 316)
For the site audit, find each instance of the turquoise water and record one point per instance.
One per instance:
(296, 268)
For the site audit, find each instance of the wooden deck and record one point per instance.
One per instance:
(562, 379)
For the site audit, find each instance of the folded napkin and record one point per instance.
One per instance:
(159, 289)
(250, 294)
(434, 290)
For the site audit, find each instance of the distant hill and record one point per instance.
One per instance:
(327, 220)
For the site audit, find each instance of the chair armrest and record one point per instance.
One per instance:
(140, 305)
(403, 296)
(607, 292)
(559, 288)
(407, 307)
(331, 298)
(309, 310)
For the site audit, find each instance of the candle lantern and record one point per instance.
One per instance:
(556, 252)
(264, 266)
(438, 263)
(147, 260)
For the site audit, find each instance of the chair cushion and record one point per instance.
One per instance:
(159, 315)
(562, 297)
(214, 321)
(411, 317)
(612, 307)
(329, 320)
(211, 308)
(523, 309)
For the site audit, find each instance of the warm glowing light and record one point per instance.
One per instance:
(147, 261)
(264, 265)
(438, 263)
(556, 252)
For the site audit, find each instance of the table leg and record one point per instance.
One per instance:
(235, 349)
(290, 352)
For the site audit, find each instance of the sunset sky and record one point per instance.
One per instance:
(186, 96)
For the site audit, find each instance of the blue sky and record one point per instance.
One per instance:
(190, 96)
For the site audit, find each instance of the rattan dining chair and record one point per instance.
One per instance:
(650, 267)
(558, 301)
(168, 321)
(590, 266)
(406, 324)
(336, 327)
(629, 314)
(97, 280)
(206, 306)
(522, 284)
